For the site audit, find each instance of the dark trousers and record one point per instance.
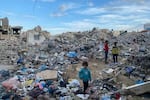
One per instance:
(115, 58)
(106, 56)
(85, 84)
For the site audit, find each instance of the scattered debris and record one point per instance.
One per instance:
(46, 66)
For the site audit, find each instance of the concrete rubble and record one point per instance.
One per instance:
(9, 50)
(48, 70)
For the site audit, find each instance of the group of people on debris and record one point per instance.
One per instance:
(85, 73)
(115, 52)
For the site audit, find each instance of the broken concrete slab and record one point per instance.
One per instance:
(139, 88)
(47, 74)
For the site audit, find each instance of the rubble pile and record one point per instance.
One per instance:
(9, 50)
(141, 66)
(35, 36)
(84, 43)
(48, 70)
(142, 42)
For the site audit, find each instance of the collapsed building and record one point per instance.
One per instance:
(9, 41)
(35, 36)
(6, 31)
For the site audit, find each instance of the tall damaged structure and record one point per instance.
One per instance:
(35, 36)
(6, 31)
(147, 26)
(9, 41)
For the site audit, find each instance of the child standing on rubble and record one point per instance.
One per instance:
(85, 75)
(115, 51)
(106, 49)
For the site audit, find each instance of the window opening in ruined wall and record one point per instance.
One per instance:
(37, 37)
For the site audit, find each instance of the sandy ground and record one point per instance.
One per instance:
(96, 67)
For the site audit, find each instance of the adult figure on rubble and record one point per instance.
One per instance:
(115, 52)
(106, 49)
(85, 75)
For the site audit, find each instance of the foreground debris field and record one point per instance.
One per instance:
(48, 70)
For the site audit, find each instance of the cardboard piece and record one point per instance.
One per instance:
(47, 74)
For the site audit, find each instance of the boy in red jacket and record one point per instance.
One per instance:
(106, 49)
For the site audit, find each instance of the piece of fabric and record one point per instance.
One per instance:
(129, 69)
(35, 92)
(74, 83)
(72, 54)
(20, 60)
(11, 83)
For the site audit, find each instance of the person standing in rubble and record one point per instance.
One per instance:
(85, 75)
(115, 52)
(106, 49)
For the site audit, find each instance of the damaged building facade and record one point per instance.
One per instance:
(6, 31)
(9, 41)
(35, 36)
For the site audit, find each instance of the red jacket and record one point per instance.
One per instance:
(106, 48)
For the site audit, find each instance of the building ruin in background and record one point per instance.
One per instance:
(147, 26)
(7, 31)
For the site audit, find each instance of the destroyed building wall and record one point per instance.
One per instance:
(4, 27)
(147, 26)
(16, 30)
(5, 23)
(8, 50)
(36, 36)
(7, 31)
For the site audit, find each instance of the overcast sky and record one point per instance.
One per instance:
(58, 16)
